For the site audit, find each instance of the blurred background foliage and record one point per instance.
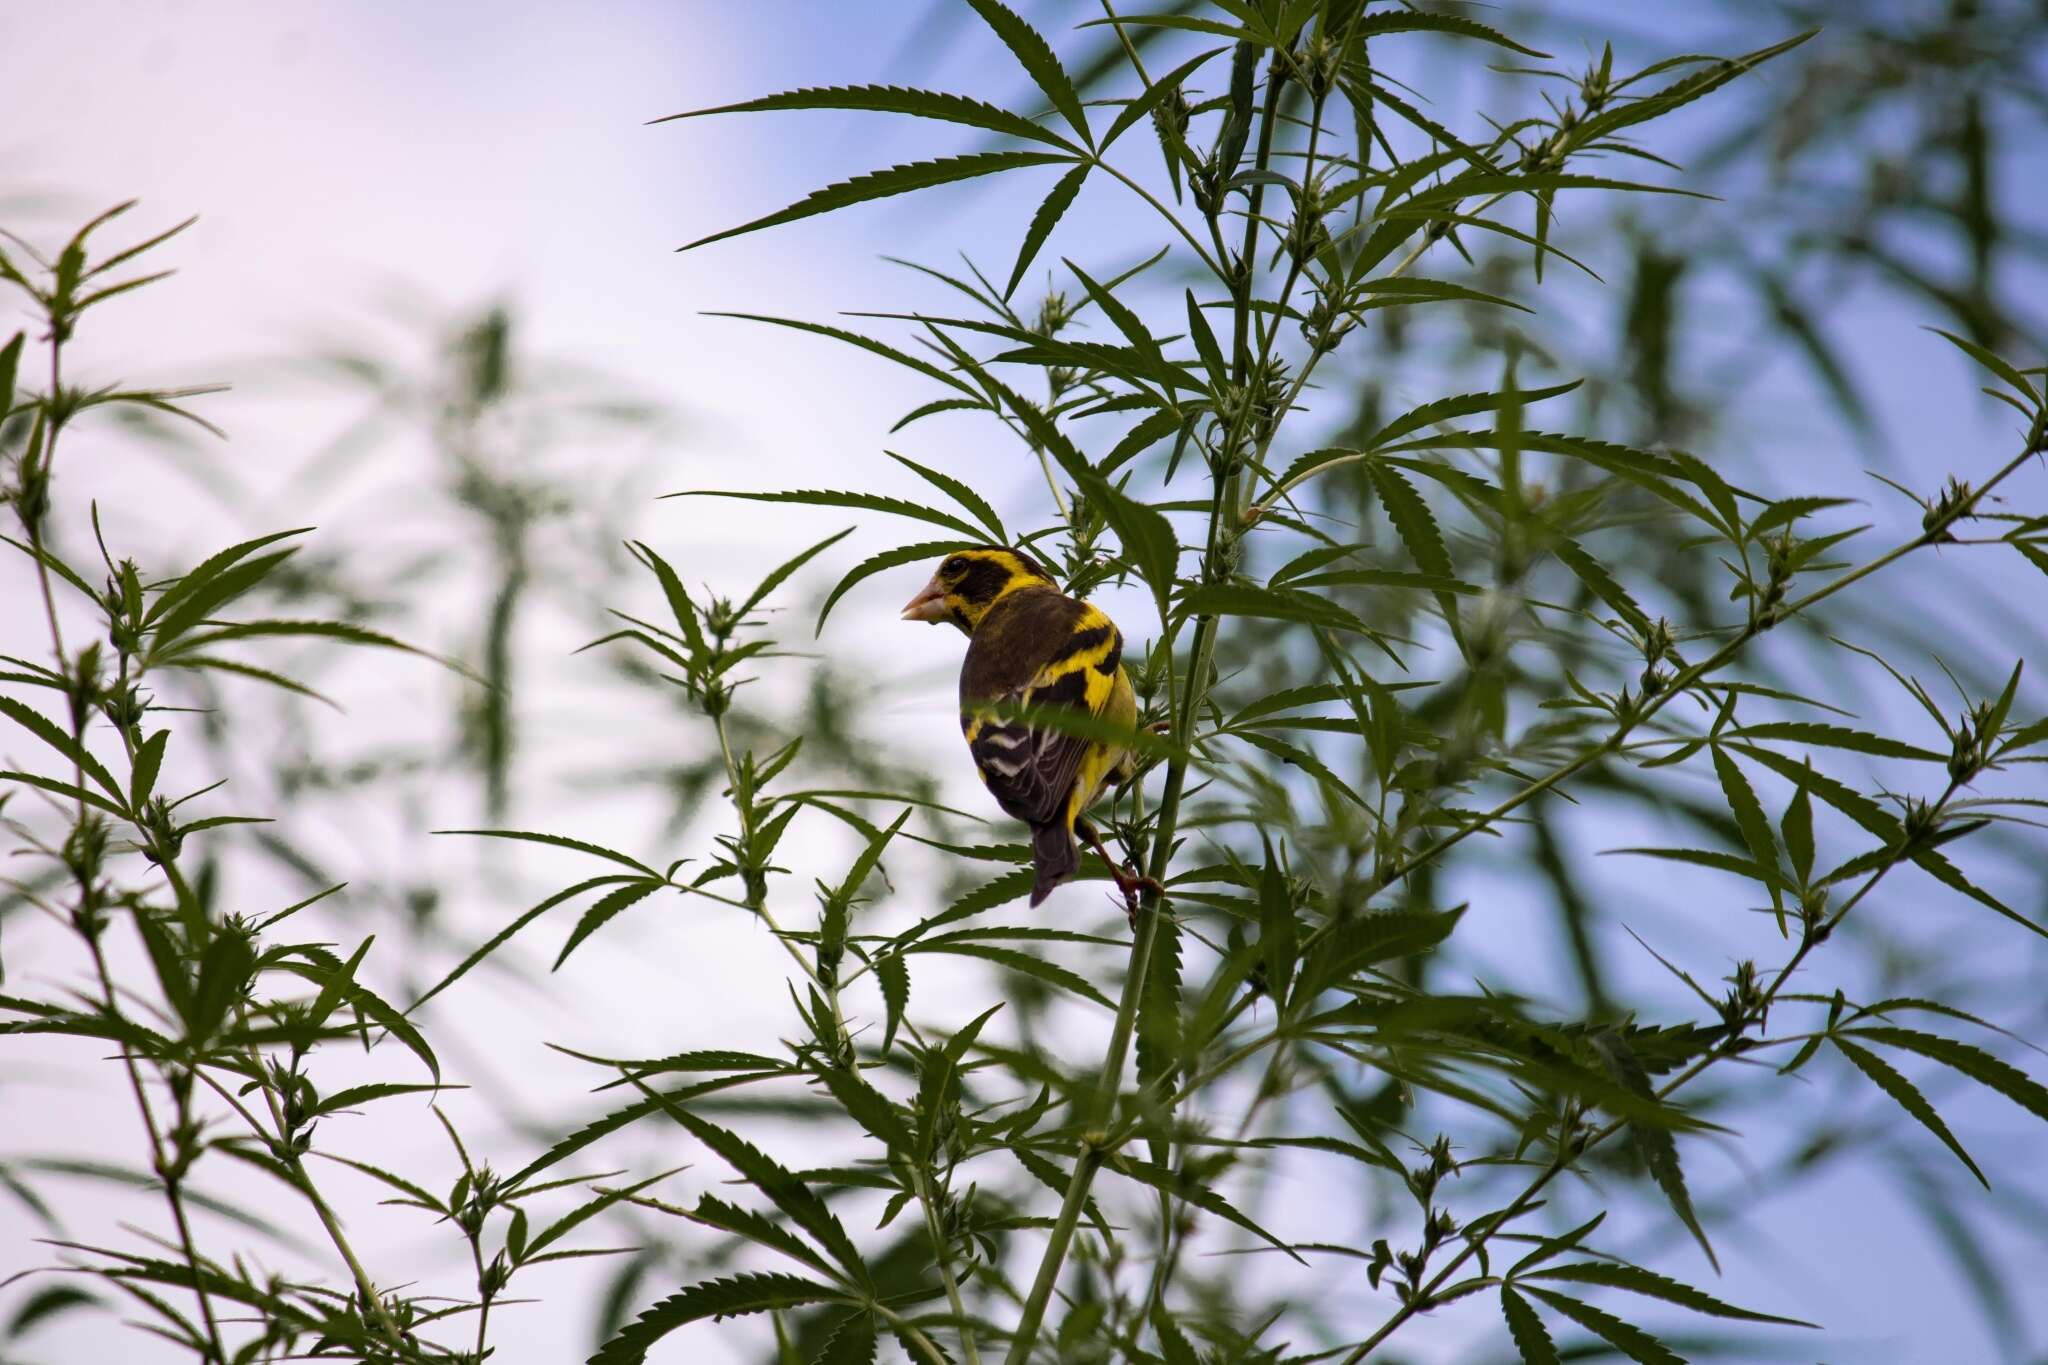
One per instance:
(1882, 169)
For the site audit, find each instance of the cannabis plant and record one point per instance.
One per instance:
(1376, 650)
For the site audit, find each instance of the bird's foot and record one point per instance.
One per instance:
(1130, 882)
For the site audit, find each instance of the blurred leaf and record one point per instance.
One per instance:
(47, 1303)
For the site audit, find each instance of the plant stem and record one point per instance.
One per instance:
(53, 425)
(173, 1192)
(756, 898)
(943, 1255)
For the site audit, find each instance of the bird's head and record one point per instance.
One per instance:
(969, 582)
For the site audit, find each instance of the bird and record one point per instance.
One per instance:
(1031, 645)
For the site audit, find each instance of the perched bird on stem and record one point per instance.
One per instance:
(1031, 646)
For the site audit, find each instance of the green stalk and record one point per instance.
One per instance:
(757, 900)
(53, 425)
(1202, 649)
(1092, 1153)
(942, 1253)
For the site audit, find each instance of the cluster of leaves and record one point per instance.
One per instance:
(1292, 990)
(1428, 772)
(222, 1034)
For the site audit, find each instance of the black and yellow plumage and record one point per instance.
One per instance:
(1031, 645)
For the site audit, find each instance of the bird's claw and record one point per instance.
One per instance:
(1130, 882)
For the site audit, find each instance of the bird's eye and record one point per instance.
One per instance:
(953, 566)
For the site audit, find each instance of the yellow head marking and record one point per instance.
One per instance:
(969, 582)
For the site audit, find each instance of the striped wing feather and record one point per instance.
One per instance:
(1036, 648)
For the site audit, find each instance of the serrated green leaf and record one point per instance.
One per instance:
(1050, 210)
(1653, 1144)
(1193, 1192)
(1835, 737)
(933, 550)
(1531, 1339)
(1631, 1341)
(1160, 1034)
(891, 99)
(1206, 345)
(1276, 604)
(868, 502)
(734, 1297)
(1594, 575)
(1035, 55)
(1993, 362)
(559, 841)
(245, 630)
(1682, 92)
(1024, 964)
(1416, 525)
(892, 975)
(759, 1229)
(1404, 21)
(1724, 862)
(1121, 317)
(149, 758)
(10, 366)
(1155, 94)
(1750, 819)
(851, 1343)
(1795, 826)
(867, 1107)
(1461, 405)
(865, 343)
(1639, 1281)
(1886, 1078)
(207, 570)
(1306, 761)
(1974, 1062)
(783, 1189)
(74, 752)
(1278, 928)
(367, 1094)
(894, 180)
(1854, 804)
(1368, 937)
(324, 969)
(602, 911)
(1152, 429)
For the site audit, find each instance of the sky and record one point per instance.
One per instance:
(341, 154)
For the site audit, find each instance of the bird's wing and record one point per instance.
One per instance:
(1036, 649)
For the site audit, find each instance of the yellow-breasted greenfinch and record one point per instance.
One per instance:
(1030, 645)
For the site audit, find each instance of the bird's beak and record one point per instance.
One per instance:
(928, 605)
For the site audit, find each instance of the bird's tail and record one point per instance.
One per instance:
(1054, 858)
